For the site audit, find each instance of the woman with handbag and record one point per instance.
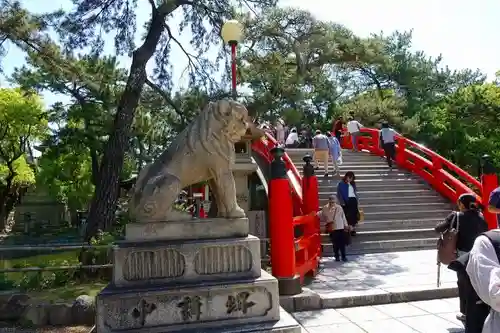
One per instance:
(467, 223)
(347, 196)
(336, 226)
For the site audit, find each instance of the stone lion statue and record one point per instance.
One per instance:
(203, 151)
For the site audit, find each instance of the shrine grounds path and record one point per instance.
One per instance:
(373, 279)
(434, 316)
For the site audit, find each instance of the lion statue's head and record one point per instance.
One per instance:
(233, 118)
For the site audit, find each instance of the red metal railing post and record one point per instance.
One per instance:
(489, 182)
(281, 227)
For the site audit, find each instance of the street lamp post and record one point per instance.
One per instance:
(231, 32)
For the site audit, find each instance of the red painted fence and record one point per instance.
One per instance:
(444, 176)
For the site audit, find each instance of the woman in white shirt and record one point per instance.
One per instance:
(280, 131)
(292, 139)
(354, 129)
(336, 226)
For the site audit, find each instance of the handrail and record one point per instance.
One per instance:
(445, 177)
(288, 162)
(263, 147)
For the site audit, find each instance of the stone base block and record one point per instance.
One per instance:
(286, 324)
(169, 262)
(188, 229)
(196, 308)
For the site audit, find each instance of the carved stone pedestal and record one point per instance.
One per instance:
(203, 282)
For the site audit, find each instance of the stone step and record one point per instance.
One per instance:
(381, 186)
(354, 167)
(387, 176)
(392, 193)
(355, 164)
(431, 198)
(384, 246)
(362, 160)
(415, 207)
(303, 151)
(374, 173)
(401, 214)
(382, 235)
(427, 196)
(345, 157)
(370, 182)
(377, 225)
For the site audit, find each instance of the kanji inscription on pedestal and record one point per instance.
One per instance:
(239, 303)
(172, 308)
(190, 308)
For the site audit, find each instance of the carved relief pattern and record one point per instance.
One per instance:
(159, 264)
(223, 259)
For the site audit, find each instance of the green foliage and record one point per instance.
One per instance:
(465, 125)
(22, 118)
(37, 280)
(24, 175)
(373, 110)
(67, 177)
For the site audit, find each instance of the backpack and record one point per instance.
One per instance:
(447, 243)
(494, 237)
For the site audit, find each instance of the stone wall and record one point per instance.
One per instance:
(19, 308)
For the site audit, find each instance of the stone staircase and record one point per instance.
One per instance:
(400, 209)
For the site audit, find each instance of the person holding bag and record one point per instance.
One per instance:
(336, 226)
(458, 232)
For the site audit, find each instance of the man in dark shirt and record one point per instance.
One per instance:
(494, 203)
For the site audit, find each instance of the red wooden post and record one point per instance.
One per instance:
(310, 200)
(281, 227)
(400, 151)
(489, 182)
(310, 196)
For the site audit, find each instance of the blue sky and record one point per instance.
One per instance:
(465, 32)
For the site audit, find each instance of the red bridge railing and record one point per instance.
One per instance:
(444, 176)
(293, 203)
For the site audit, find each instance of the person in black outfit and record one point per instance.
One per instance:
(470, 223)
(388, 142)
(476, 309)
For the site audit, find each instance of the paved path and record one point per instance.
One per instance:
(434, 316)
(385, 271)
(371, 279)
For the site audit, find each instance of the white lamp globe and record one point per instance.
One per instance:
(232, 31)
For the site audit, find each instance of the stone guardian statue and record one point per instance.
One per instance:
(204, 150)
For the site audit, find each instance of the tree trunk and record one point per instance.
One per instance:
(95, 166)
(104, 202)
(4, 200)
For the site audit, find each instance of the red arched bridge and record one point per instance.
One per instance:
(294, 198)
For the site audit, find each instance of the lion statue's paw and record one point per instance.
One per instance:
(236, 213)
